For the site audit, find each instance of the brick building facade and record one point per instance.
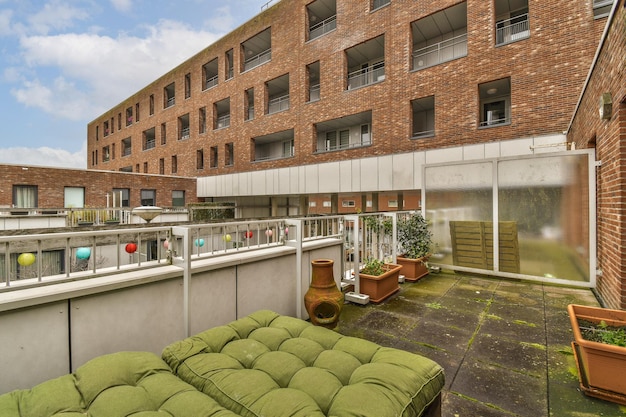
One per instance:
(49, 187)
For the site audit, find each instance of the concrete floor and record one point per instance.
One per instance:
(504, 345)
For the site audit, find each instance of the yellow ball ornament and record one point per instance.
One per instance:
(26, 259)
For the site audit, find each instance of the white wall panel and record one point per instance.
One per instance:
(369, 174)
(402, 172)
(311, 178)
(345, 176)
(329, 178)
(385, 173)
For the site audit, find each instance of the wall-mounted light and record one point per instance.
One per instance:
(606, 106)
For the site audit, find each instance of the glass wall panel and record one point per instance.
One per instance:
(547, 198)
(459, 193)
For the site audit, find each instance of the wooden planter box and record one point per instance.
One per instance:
(601, 367)
(382, 286)
(413, 269)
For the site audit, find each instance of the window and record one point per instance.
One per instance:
(199, 159)
(602, 8)
(229, 155)
(433, 44)
(348, 203)
(137, 112)
(106, 154)
(495, 102)
(145, 167)
(249, 113)
(129, 116)
(151, 104)
(274, 146)
(149, 139)
(322, 17)
(213, 157)
(169, 95)
(126, 169)
(174, 164)
(229, 64)
(423, 113)
(163, 134)
(313, 71)
(377, 4)
(106, 128)
(511, 23)
(183, 127)
(126, 147)
(97, 132)
(74, 197)
(121, 197)
(209, 74)
(178, 198)
(187, 85)
(277, 94)
(25, 196)
(112, 125)
(202, 120)
(222, 114)
(350, 131)
(148, 197)
(162, 166)
(257, 50)
(119, 121)
(366, 63)
(113, 151)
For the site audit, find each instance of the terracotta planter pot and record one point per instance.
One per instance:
(382, 286)
(601, 367)
(413, 269)
(323, 301)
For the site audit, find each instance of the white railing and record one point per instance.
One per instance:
(223, 121)
(440, 52)
(512, 30)
(339, 146)
(184, 133)
(210, 82)
(366, 76)
(150, 143)
(423, 134)
(171, 101)
(257, 60)
(377, 4)
(323, 27)
(314, 92)
(278, 104)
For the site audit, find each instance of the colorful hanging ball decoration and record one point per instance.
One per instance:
(248, 234)
(269, 233)
(199, 242)
(286, 230)
(83, 253)
(130, 248)
(26, 259)
(166, 244)
(227, 238)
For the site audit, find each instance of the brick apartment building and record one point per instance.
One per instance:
(42, 187)
(330, 106)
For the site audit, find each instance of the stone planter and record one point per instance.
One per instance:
(601, 367)
(413, 269)
(382, 286)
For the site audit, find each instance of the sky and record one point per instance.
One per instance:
(65, 62)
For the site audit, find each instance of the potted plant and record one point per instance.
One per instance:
(379, 280)
(600, 351)
(415, 245)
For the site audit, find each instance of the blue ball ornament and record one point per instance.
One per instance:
(199, 242)
(83, 253)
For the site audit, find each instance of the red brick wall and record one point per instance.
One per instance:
(51, 183)
(609, 139)
(546, 71)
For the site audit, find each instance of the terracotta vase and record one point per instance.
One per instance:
(323, 300)
(601, 367)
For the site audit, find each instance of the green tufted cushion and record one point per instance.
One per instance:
(271, 365)
(137, 384)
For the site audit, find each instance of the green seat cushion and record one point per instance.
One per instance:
(266, 364)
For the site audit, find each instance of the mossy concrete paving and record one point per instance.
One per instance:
(504, 344)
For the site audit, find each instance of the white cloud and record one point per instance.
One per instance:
(122, 5)
(5, 22)
(55, 15)
(106, 69)
(44, 156)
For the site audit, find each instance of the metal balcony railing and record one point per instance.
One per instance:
(440, 52)
(278, 104)
(366, 76)
(150, 143)
(184, 133)
(512, 30)
(323, 27)
(210, 82)
(257, 60)
(223, 121)
(314, 92)
(170, 101)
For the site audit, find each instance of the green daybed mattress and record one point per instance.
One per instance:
(271, 365)
(261, 365)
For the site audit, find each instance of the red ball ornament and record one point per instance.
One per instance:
(247, 234)
(131, 248)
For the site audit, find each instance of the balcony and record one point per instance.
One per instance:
(483, 331)
(323, 27)
(366, 76)
(278, 104)
(440, 52)
(512, 30)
